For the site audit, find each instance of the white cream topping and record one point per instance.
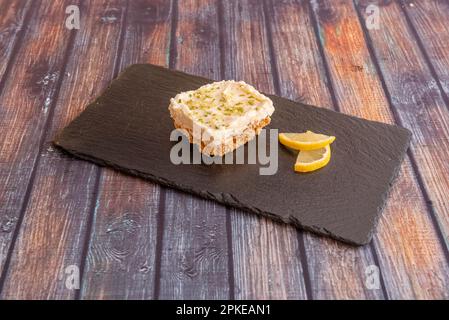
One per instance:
(221, 109)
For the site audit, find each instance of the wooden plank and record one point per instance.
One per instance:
(429, 23)
(194, 262)
(194, 252)
(337, 271)
(56, 219)
(261, 247)
(429, 20)
(25, 106)
(418, 105)
(12, 26)
(12, 29)
(409, 271)
(121, 256)
(121, 261)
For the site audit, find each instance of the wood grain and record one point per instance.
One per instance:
(25, 107)
(429, 20)
(429, 23)
(419, 106)
(194, 253)
(122, 253)
(260, 246)
(417, 271)
(12, 26)
(336, 271)
(194, 262)
(56, 219)
(121, 259)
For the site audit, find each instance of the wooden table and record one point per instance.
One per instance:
(132, 239)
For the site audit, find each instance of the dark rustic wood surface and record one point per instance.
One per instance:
(133, 239)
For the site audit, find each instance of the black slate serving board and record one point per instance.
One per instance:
(128, 128)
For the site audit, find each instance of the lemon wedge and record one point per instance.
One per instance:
(311, 160)
(305, 141)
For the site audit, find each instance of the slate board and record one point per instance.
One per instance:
(128, 128)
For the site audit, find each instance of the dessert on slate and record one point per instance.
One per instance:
(221, 116)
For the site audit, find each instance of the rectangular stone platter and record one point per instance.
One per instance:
(128, 128)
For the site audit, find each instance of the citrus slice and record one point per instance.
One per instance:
(311, 160)
(305, 141)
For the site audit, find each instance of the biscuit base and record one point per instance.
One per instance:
(230, 143)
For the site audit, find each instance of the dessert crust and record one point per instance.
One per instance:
(230, 143)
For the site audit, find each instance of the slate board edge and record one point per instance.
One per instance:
(406, 131)
(387, 193)
(222, 198)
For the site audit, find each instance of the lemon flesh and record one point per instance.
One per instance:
(305, 141)
(311, 160)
